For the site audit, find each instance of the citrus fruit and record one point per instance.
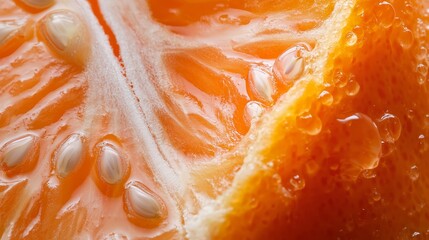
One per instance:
(214, 119)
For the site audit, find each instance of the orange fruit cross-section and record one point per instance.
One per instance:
(214, 119)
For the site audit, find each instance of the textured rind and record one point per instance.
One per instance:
(257, 196)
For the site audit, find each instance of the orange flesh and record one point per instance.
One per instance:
(325, 168)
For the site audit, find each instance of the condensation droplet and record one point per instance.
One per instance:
(326, 98)
(290, 65)
(414, 173)
(357, 154)
(67, 35)
(405, 37)
(422, 54)
(423, 145)
(422, 69)
(297, 183)
(69, 155)
(375, 195)
(309, 124)
(143, 203)
(340, 79)
(38, 4)
(351, 39)
(416, 235)
(411, 114)
(385, 14)
(261, 84)
(16, 151)
(390, 128)
(352, 88)
(252, 111)
(110, 165)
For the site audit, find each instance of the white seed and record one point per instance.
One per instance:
(62, 28)
(290, 65)
(143, 203)
(16, 150)
(252, 111)
(66, 34)
(39, 4)
(7, 30)
(69, 155)
(261, 84)
(110, 165)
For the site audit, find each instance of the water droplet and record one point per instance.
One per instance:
(411, 114)
(309, 124)
(390, 128)
(416, 235)
(366, 150)
(422, 54)
(352, 88)
(290, 65)
(69, 155)
(66, 34)
(297, 183)
(375, 195)
(340, 79)
(142, 202)
(110, 165)
(422, 69)
(261, 84)
(414, 173)
(38, 4)
(385, 14)
(16, 151)
(423, 146)
(311, 167)
(252, 111)
(405, 37)
(421, 80)
(351, 39)
(326, 98)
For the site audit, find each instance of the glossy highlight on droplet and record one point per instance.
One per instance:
(390, 127)
(358, 154)
(326, 98)
(309, 124)
(385, 14)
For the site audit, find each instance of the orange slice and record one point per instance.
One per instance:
(213, 119)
